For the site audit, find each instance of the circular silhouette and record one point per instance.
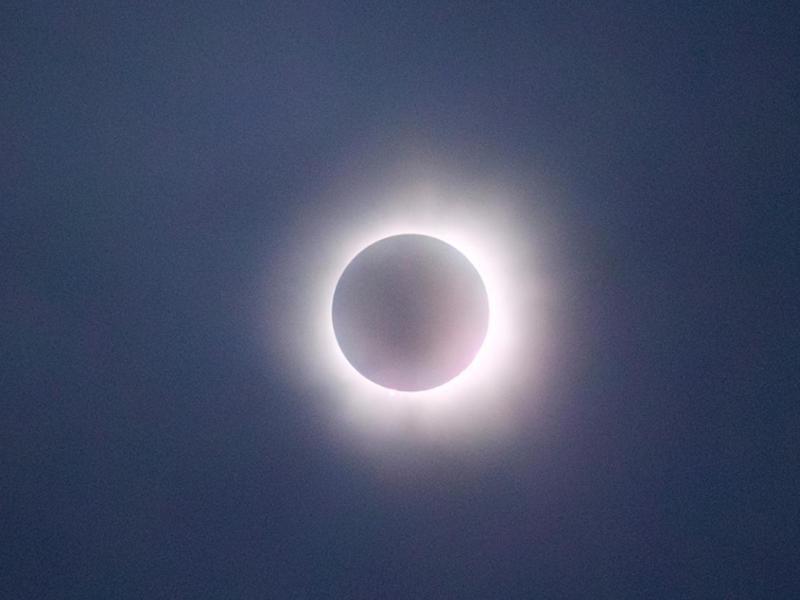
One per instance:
(410, 312)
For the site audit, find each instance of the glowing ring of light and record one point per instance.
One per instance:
(480, 398)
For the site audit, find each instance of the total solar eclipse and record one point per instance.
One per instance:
(410, 312)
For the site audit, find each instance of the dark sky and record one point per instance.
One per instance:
(154, 156)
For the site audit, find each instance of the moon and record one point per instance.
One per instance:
(410, 312)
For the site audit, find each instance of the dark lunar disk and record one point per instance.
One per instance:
(410, 312)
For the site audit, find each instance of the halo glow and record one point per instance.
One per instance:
(480, 399)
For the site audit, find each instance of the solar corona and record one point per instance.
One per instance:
(417, 311)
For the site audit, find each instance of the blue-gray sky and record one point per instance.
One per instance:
(151, 155)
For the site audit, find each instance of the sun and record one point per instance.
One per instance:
(482, 225)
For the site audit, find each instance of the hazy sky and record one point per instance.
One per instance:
(157, 159)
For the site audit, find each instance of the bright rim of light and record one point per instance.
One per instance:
(480, 398)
